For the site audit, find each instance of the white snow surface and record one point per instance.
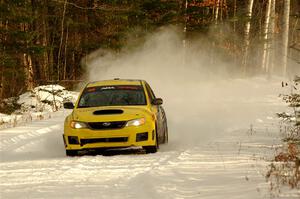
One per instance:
(220, 146)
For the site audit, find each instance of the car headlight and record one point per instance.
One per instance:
(78, 125)
(136, 122)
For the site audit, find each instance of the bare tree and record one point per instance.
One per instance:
(271, 54)
(285, 36)
(247, 34)
(29, 71)
(217, 5)
(61, 39)
(27, 61)
(265, 57)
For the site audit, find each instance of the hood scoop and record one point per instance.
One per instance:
(108, 112)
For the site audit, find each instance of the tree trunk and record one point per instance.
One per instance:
(271, 54)
(61, 39)
(265, 56)
(221, 10)
(2, 84)
(66, 47)
(234, 30)
(226, 9)
(285, 36)
(3, 25)
(217, 5)
(45, 62)
(73, 76)
(234, 16)
(247, 36)
(28, 71)
(27, 61)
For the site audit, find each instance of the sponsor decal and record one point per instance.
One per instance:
(107, 88)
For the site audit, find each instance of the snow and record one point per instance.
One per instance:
(220, 146)
(38, 104)
(45, 97)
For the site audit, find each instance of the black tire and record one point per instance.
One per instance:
(72, 153)
(166, 135)
(152, 149)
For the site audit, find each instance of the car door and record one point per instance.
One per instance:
(159, 113)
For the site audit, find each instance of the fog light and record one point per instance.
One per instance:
(141, 137)
(73, 140)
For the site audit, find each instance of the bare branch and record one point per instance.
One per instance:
(96, 7)
(295, 47)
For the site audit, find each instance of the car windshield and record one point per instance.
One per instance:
(112, 96)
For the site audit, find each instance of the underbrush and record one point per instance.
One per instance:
(10, 105)
(284, 169)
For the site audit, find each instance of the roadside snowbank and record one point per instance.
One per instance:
(38, 104)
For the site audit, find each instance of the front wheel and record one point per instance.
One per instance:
(72, 153)
(150, 149)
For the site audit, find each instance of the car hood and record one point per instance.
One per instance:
(109, 113)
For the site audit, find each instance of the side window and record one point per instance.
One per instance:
(150, 92)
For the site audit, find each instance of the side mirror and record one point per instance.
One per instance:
(68, 105)
(157, 101)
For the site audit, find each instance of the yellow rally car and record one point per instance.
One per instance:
(115, 113)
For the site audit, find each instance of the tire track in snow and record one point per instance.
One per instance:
(19, 142)
(194, 173)
(167, 174)
(188, 176)
(37, 140)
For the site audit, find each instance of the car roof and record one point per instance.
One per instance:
(115, 81)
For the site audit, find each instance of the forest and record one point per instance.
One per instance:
(46, 41)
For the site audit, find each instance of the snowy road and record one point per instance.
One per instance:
(214, 154)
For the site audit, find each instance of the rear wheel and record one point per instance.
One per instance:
(72, 152)
(166, 135)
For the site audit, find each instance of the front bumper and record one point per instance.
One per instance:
(80, 139)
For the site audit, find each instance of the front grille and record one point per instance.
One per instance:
(101, 140)
(107, 125)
